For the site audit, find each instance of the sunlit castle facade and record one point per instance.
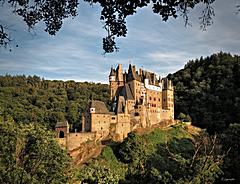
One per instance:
(139, 99)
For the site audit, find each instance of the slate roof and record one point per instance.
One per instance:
(113, 72)
(100, 107)
(132, 75)
(127, 93)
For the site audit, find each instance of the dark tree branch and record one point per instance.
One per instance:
(4, 37)
(206, 18)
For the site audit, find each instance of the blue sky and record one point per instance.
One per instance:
(75, 53)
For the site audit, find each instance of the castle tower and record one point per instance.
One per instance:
(168, 97)
(112, 83)
(116, 80)
(119, 73)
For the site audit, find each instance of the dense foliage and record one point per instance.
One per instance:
(208, 90)
(231, 145)
(170, 156)
(32, 99)
(30, 154)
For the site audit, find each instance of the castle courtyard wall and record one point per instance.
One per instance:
(74, 140)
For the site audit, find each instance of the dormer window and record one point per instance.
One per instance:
(92, 110)
(112, 78)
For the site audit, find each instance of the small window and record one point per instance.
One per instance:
(113, 117)
(150, 98)
(159, 100)
(136, 114)
(154, 99)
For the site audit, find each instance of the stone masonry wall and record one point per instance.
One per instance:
(75, 139)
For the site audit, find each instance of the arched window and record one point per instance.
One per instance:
(61, 134)
(136, 114)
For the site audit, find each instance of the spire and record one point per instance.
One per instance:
(112, 72)
(119, 73)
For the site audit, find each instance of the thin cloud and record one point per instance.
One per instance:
(168, 56)
(75, 53)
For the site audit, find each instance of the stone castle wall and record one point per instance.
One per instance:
(100, 123)
(75, 139)
(123, 126)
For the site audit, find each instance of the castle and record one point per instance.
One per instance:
(139, 99)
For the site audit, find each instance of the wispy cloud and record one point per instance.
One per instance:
(76, 51)
(168, 56)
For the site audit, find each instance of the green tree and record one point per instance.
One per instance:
(47, 102)
(185, 118)
(30, 154)
(180, 160)
(231, 146)
(207, 89)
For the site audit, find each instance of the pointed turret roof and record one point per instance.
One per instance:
(112, 72)
(132, 74)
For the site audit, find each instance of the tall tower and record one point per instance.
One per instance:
(116, 80)
(119, 73)
(112, 83)
(168, 97)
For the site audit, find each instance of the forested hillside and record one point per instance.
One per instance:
(162, 156)
(208, 90)
(32, 99)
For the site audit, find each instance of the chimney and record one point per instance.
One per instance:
(140, 71)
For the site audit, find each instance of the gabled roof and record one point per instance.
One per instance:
(100, 107)
(61, 124)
